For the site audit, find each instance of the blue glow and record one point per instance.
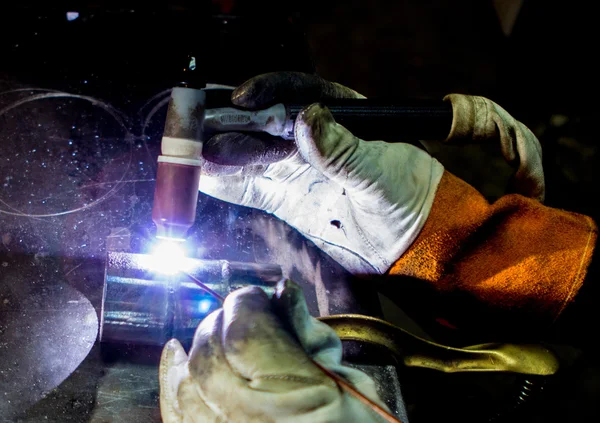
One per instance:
(204, 306)
(71, 16)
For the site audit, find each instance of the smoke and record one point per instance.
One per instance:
(328, 287)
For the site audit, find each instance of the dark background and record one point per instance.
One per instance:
(544, 72)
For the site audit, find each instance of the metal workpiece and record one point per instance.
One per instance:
(143, 306)
(412, 351)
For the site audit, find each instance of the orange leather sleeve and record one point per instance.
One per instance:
(514, 256)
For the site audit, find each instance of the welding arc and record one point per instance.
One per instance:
(341, 383)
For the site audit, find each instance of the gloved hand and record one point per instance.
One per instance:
(481, 120)
(363, 203)
(250, 362)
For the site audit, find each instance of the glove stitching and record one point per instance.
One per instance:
(301, 170)
(298, 119)
(576, 277)
(220, 414)
(482, 130)
(292, 378)
(164, 374)
(296, 173)
(247, 197)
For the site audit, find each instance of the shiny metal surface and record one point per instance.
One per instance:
(47, 328)
(145, 307)
(412, 351)
(273, 120)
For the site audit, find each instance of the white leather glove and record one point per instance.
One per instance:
(361, 202)
(250, 362)
(481, 120)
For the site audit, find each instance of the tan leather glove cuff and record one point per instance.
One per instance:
(514, 264)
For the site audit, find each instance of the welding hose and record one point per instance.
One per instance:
(392, 120)
(389, 120)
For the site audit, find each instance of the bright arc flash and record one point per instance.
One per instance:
(168, 257)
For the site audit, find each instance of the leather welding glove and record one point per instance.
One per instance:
(476, 119)
(251, 362)
(363, 203)
(515, 263)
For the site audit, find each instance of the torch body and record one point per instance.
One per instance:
(179, 165)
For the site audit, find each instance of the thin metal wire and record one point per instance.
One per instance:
(204, 287)
(345, 386)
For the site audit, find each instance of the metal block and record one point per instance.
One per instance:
(142, 306)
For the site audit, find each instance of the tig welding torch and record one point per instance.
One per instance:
(194, 115)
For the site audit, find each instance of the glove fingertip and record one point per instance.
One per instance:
(253, 93)
(318, 339)
(248, 300)
(284, 286)
(248, 293)
(311, 126)
(287, 295)
(315, 111)
(173, 354)
(242, 96)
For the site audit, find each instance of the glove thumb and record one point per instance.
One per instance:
(325, 145)
(172, 370)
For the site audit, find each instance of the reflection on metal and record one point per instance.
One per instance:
(144, 307)
(47, 328)
(413, 351)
